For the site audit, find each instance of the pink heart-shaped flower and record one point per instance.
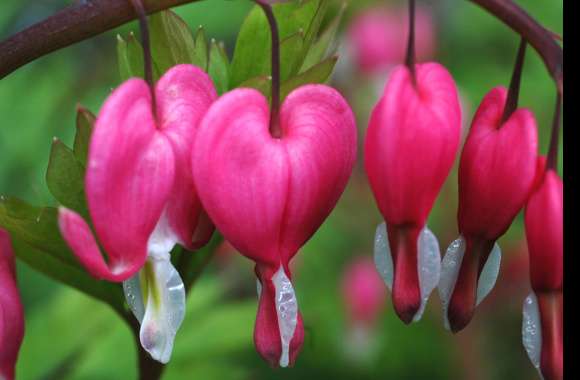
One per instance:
(269, 195)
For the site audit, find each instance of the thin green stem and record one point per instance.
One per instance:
(410, 56)
(552, 160)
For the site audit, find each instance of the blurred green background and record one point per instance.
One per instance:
(70, 336)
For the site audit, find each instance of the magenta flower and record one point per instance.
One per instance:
(496, 173)
(543, 328)
(141, 196)
(11, 311)
(410, 146)
(363, 292)
(378, 37)
(269, 195)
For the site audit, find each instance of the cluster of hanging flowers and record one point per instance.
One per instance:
(169, 161)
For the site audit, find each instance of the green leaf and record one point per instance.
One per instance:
(65, 177)
(253, 46)
(290, 61)
(36, 226)
(172, 42)
(84, 122)
(218, 67)
(321, 49)
(316, 74)
(201, 49)
(130, 57)
(262, 83)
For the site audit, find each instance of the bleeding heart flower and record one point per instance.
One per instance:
(11, 311)
(363, 292)
(378, 37)
(543, 328)
(496, 173)
(269, 195)
(410, 146)
(142, 198)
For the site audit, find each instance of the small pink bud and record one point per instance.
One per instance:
(496, 173)
(11, 311)
(544, 221)
(378, 37)
(410, 146)
(363, 291)
(269, 195)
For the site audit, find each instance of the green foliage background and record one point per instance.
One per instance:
(72, 336)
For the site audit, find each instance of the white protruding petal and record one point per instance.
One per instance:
(162, 239)
(134, 297)
(531, 331)
(258, 288)
(429, 267)
(287, 310)
(489, 274)
(449, 272)
(164, 311)
(382, 255)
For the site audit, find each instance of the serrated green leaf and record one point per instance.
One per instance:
(321, 48)
(262, 83)
(253, 46)
(65, 177)
(201, 49)
(317, 74)
(218, 67)
(171, 41)
(84, 123)
(130, 57)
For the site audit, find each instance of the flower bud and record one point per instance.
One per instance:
(11, 311)
(269, 195)
(410, 146)
(496, 173)
(542, 330)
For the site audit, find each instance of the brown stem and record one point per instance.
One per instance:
(275, 128)
(74, 23)
(410, 57)
(552, 160)
(511, 103)
(147, 60)
(536, 35)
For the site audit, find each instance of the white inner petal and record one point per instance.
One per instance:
(489, 274)
(382, 255)
(428, 263)
(156, 295)
(450, 271)
(287, 310)
(429, 267)
(531, 330)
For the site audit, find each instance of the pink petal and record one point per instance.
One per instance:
(77, 233)
(412, 141)
(497, 168)
(129, 176)
(320, 140)
(11, 311)
(184, 94)
(241, 173)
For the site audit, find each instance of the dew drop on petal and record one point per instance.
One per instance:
(428, 266)
(382, 255)
(287, 310)
(449, 272)
(531, 331)
(489, 274)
